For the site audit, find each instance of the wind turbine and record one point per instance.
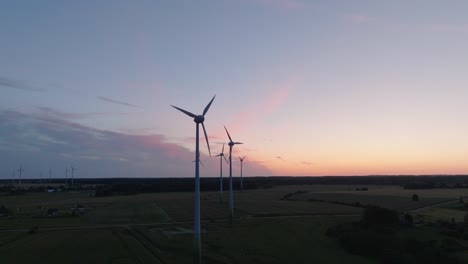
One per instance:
(72, 173)
(241, 162)
(221, 156)
(199, 160)
(20, 170)
(66, 175)
(198, 119)
(231, 198)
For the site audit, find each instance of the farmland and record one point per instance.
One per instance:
(273, 225)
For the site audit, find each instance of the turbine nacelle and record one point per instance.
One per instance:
(199, 119)
(234, 143)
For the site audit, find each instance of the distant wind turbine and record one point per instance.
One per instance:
(231, 198)
(198, 119)
(199, 160)
(72, 173)
(221, 156)
(241, 162)
(66, 175)
(20, 170)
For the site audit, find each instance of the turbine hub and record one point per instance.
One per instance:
(231, 144)
(199, 119)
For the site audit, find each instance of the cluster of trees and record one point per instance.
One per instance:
(378, 235)
(141, 185)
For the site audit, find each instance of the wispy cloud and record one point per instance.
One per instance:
(109, 100)
(17, 84)
(455, 28)
(287, 4)
(358, 19)
(53, 113)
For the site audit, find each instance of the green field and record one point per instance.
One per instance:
(157, 227)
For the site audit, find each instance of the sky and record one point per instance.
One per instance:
(312, 88)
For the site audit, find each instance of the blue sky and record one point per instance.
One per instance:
(310, 87)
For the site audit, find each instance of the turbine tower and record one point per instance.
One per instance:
(198, 119)
(20, 170)
(231, 198)
(241, 184)
(221, 156)
(66, 175)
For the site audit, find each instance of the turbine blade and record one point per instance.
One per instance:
(206, 137)
(201, 163)
(185, 112)
(229, 136)
(208, 106)
(222, 151)
(219, 155)
(227, 162)
(238, 143)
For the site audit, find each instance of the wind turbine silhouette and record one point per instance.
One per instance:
(221, 156)
(198, 119)
(231, 198)
(72, 173)
(66, 175)
(199, 160)
(241, 184)
(20, 170)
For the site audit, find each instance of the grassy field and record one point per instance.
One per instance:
(75, 246)
(157, 228)
(274, 240)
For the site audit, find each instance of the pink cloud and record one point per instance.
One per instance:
(268, 105)
(359, 19)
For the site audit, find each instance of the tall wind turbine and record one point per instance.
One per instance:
(231, 198)
(20, 170)
(221, 156)
(241, 162)
(198, 119)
